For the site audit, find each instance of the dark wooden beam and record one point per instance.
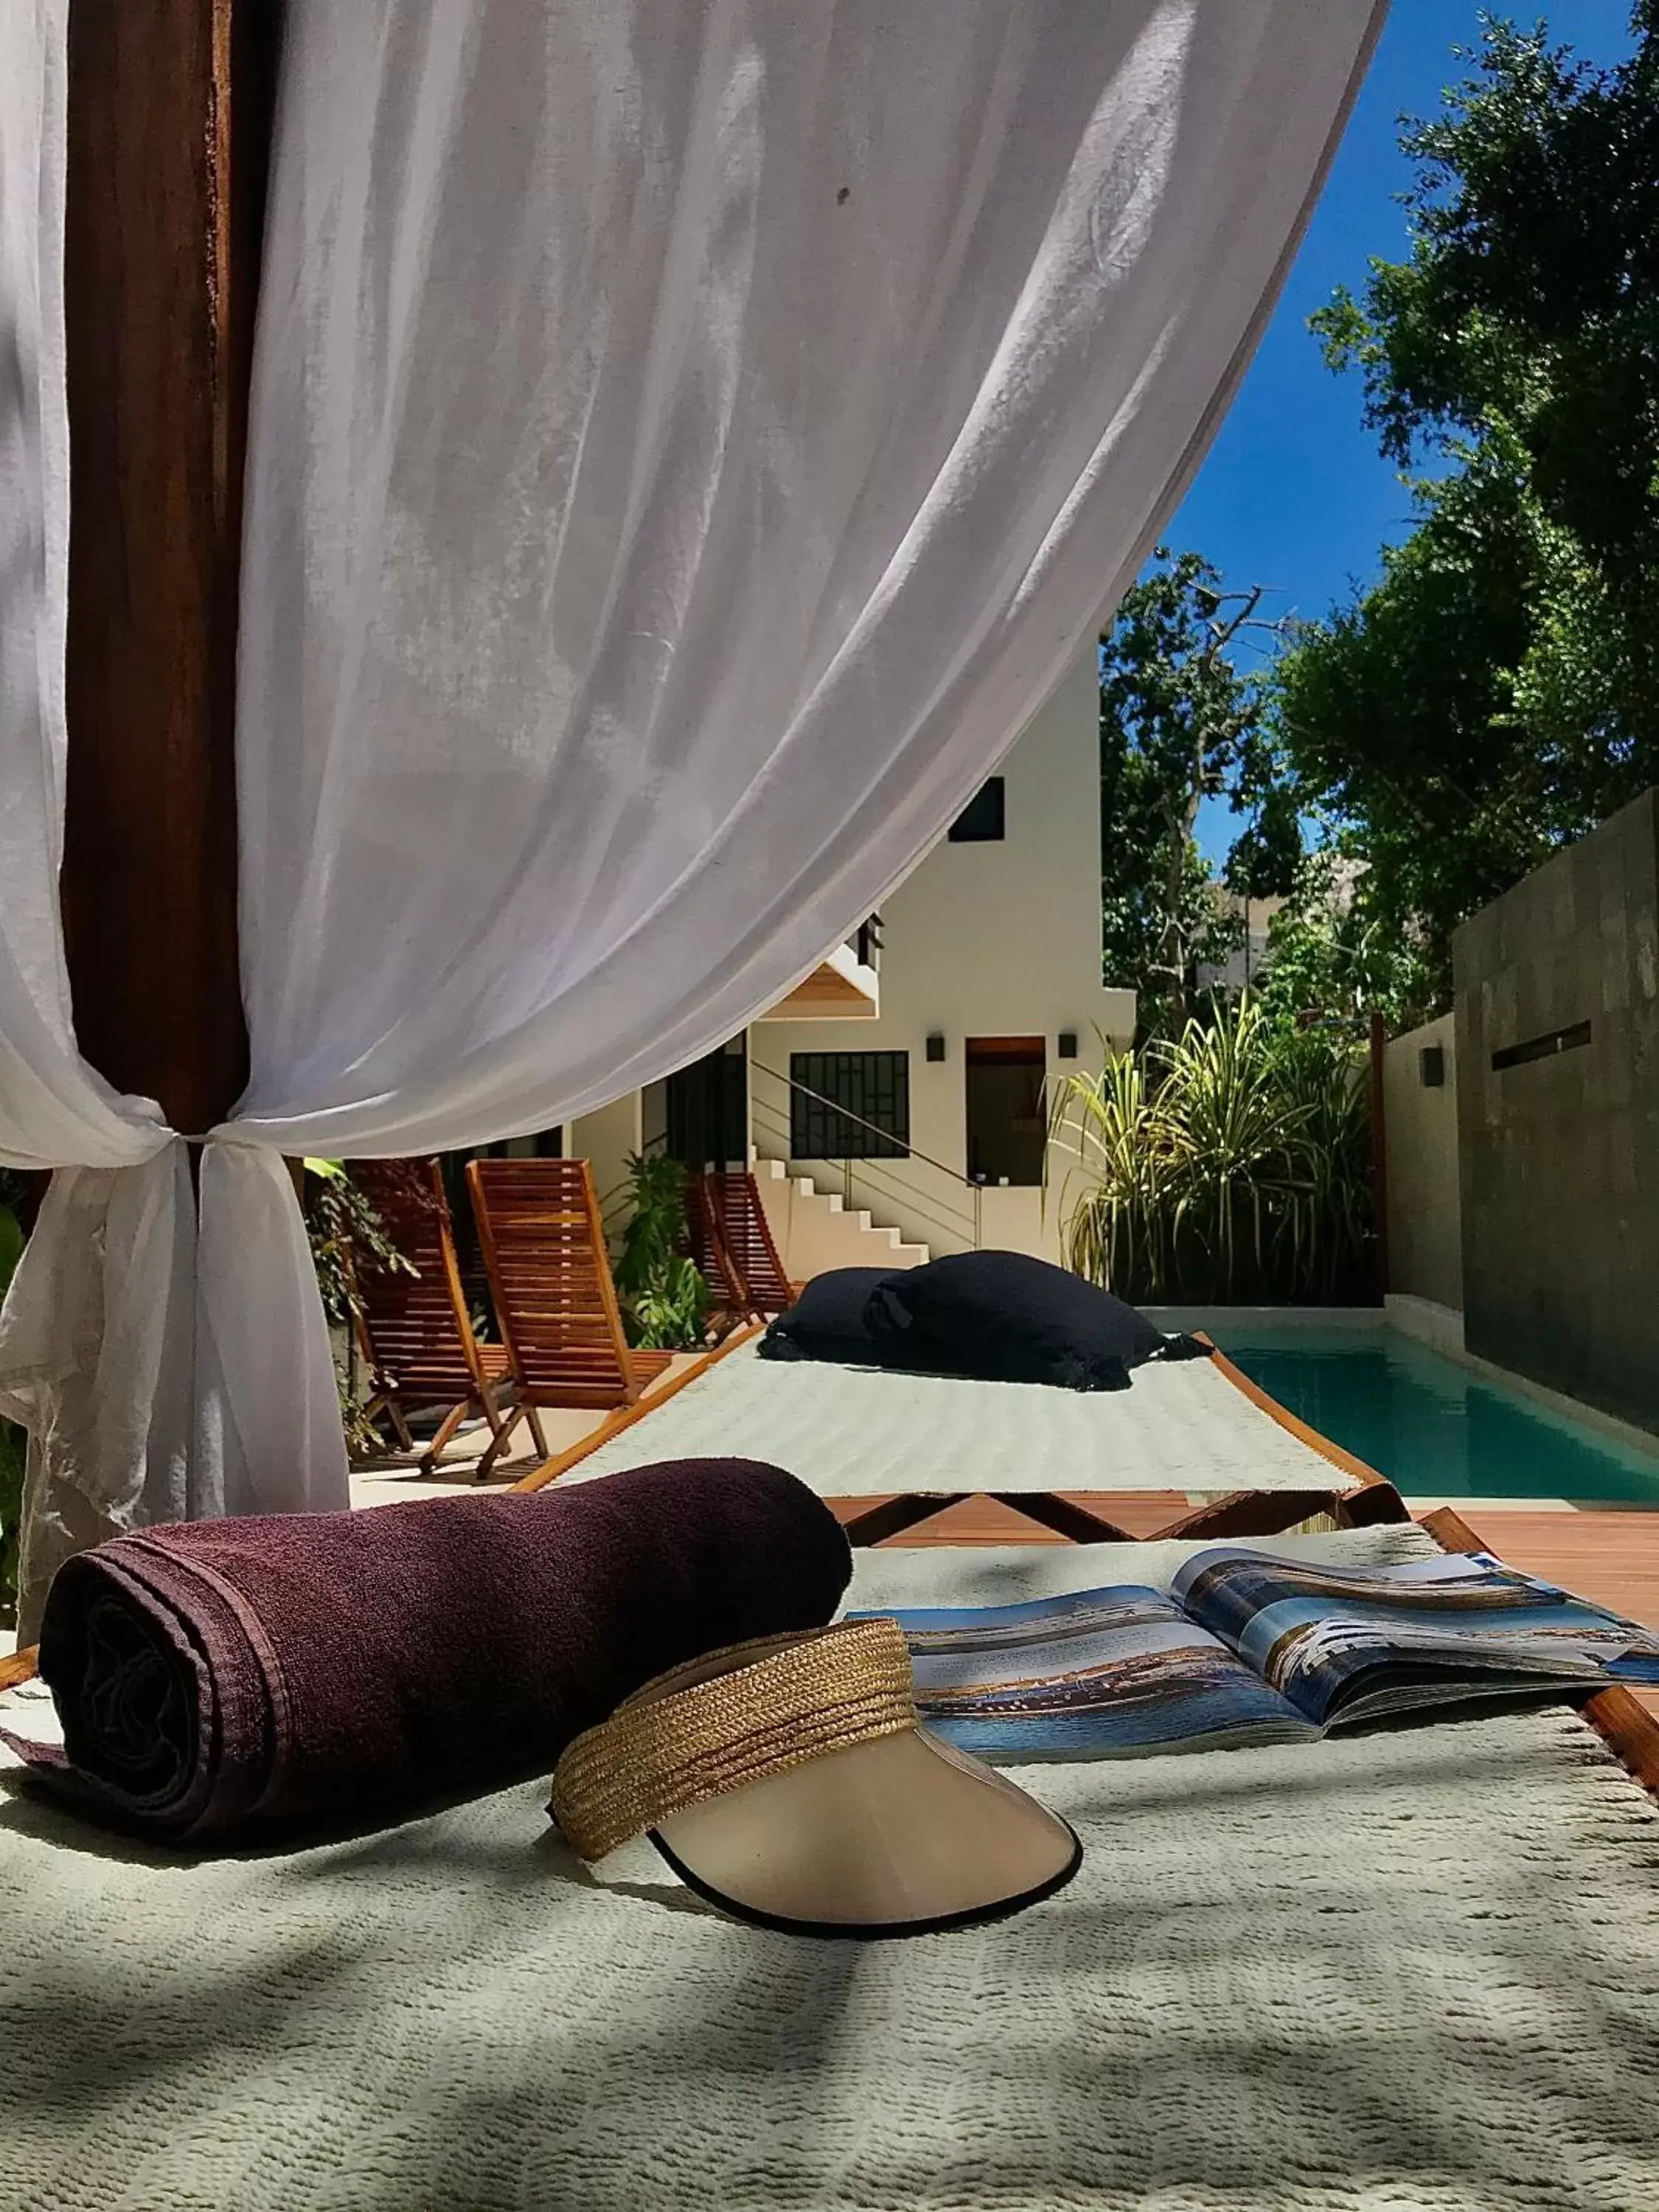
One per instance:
(877, 1519)
(1067, 1516)
(1373, 1504)
(170, 105)
(880, 1520)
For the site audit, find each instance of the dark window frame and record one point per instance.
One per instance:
(873, 1086)
(984, 820)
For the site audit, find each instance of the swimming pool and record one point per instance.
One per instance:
(1433, 1427)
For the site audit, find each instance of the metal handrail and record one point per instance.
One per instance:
(874, 1165)
(911, 1151)
(884, 1177)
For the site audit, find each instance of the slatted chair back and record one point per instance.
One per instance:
(414, 1331)
(708, 1250)
(549, 1277)
(747, 1256)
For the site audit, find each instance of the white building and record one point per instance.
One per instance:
(1246, 962)
(939, 1049)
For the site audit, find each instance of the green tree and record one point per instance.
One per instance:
(1400, 715)
(1180, 721)
(1497, 691)
(1330, 953)
(1530, 298)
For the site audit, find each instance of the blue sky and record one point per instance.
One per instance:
(1293, 493)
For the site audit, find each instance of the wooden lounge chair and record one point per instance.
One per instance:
(729, 1306)
(415, 1333)
(550, 1278)
(732, 1242)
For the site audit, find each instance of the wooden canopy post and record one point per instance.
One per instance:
(170, 106)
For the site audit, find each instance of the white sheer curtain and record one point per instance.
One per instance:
(690, 437)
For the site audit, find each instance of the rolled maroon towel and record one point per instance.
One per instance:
(337, 1667)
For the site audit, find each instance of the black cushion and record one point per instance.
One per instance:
(1006, 1317)
(1180, 1347)
(827, 1320)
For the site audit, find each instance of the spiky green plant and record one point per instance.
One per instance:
(1230, 1163)
(1238, 1179)
(1324, 1074)
(1116, 1231)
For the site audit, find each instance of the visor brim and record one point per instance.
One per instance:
(902, 1836)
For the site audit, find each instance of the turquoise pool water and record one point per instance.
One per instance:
(1433, 1427)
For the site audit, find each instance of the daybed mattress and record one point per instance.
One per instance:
(1413, 1970)
(854, 1431)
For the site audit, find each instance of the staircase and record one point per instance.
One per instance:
(816, 1230)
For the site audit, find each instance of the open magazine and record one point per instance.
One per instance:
(1245, 1648)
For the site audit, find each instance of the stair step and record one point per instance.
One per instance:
(860, 1220)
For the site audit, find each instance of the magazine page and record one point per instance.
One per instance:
(1102, 1674)
(1345, 1644)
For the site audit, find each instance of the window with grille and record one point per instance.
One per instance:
(873, 1086)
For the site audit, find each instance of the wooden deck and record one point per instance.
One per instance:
(1611, 1558)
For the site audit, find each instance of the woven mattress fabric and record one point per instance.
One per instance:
(1412, 1969)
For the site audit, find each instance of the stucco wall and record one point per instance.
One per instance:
(1425, 1252)
(982, 940)
(606, 1137)
(1560, 1152)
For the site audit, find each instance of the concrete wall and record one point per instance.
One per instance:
(982, 940)
(1425, 1249)
(1560, 1155)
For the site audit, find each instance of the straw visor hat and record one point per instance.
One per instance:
(788, 1781)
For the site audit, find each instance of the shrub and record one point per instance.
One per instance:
(663, 1296)
(1232, 1164)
